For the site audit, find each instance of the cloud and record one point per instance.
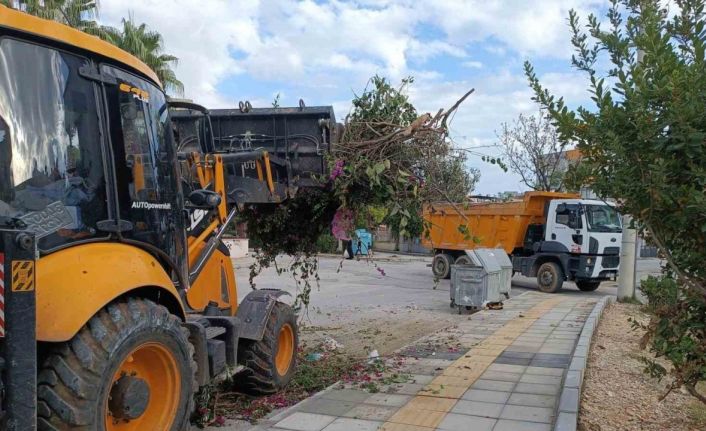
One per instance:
(472, 64)
(202, 34)
(324, 50)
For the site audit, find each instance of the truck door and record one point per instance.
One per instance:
(564, 226)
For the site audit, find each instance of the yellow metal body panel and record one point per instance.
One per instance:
(216, 282)
(26, 23)
(74, 283)
(496, 225)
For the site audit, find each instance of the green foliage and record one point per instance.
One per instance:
(394, 159)
(676, 332)
(79, 14)
(643, 144)
(293, 229)
(326, 243)
(410, 226)
(387, 164)
(148, 46)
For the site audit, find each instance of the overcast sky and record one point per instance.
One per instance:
(324, 51)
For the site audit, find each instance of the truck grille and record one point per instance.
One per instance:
(610, 261)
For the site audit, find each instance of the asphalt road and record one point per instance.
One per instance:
(354, 287)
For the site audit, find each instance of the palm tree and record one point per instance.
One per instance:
(138, 40)
(148, 46)
(79, 14)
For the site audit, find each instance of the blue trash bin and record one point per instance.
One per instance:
(362, 243)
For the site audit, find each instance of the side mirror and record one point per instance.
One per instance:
(204, 199)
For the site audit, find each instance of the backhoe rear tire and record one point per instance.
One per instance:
(129, 368)
(270, 363)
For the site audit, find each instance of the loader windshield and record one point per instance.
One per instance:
(51, 164)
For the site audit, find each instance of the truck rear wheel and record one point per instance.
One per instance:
(270, 362)
(129, 368)
(463, 260)
(441, 265)
(550, 277)
(587, 286)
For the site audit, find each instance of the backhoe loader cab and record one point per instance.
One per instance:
(117, 296)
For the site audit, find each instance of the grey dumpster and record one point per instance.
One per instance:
(492, 258)
(472, 286)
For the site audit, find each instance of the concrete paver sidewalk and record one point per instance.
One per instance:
(507, 376)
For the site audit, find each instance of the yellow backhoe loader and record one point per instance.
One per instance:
(118, 299)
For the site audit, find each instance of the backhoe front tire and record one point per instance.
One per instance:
(270, 363)
(129, 368)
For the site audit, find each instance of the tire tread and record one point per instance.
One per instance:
(71, 374)
(259, 377)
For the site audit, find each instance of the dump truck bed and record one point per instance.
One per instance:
(490, 225)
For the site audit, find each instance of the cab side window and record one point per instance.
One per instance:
(568, 215)
(145, 161)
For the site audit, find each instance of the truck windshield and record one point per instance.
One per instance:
(51, 164)
(602, 218)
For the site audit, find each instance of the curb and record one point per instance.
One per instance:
(570, 399)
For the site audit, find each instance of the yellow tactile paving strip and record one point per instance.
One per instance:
(428, 408)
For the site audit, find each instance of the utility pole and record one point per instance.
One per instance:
(626, 271)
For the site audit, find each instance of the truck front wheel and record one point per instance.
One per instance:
(270, 362)
(441, 266)
(550, 277)
(129, 368)
(587, 286)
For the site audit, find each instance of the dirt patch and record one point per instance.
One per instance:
(617, 395)
(384, 330)
(317, 369)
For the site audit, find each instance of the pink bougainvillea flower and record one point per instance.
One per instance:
(337, 170)
(342, 224)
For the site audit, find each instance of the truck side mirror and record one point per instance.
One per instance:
(204, 199)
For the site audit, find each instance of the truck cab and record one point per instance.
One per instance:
(549, 235)
(581, 237)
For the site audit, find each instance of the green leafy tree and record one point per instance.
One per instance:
(643, 142)
(148, 46)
